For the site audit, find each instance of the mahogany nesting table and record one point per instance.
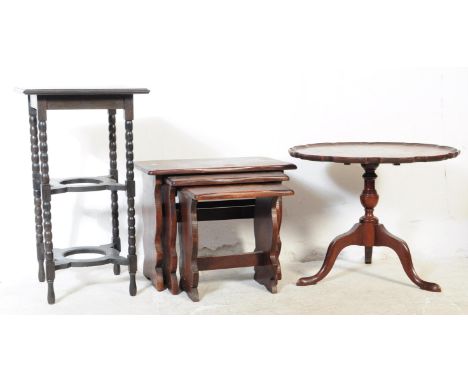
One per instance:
(208, 189)
(369, 232)
(42, 100)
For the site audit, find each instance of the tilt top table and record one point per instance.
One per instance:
(369, 232)
(42, 100)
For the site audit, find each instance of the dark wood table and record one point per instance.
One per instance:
(369, 232)
(161, 212)
(42, 100)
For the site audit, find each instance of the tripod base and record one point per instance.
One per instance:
(355, 236)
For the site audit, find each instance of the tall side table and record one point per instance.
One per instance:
(40, 101)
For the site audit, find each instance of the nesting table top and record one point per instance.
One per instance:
(212, 165)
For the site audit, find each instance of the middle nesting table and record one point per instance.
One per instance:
(161, 211)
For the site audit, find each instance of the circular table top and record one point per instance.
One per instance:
(373, 152)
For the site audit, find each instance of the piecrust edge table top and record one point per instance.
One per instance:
(373, 152)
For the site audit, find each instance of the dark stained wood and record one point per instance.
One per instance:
(170, 237)
(368, 255)
(267, 221)
(97, 183)
(84, 102)
(86, 92)
(266, 229)
(46, 209)
(220, 179)
(226, 213)
(109, 255)
(130, 184)
(243, 191)
(159, 198)
(373, 152)
(36, 178)
(42, 100)
(369, 233)
(188, 233)
(114, 175)
(212, 166)
(250, 259)
(152, 221)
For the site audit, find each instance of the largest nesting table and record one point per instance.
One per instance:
(161, 212)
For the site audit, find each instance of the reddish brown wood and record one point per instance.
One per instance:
(188, 232)
(266, 229)
(244, 191)
(197, 172)
(352, 237)
(249, 259)
(267, 222)
(169, 265)
(223, 179)
(212, 166)
(369, 233)
(153, 232)
(373, 152)
(279, 217)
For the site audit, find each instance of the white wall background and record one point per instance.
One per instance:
(243, 78)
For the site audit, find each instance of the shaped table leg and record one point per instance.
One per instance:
(352, 237)
(188, 233)
(46, 205)
(266, 229)
(169, 238)
(385, 238)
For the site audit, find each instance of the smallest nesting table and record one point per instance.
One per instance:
(369, 232)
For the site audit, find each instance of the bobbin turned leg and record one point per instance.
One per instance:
(36, 177)
(130, 183)
(188, 233)
(113, 173)
(46, 206)
(266, 230)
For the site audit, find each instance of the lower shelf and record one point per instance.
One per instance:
(109, 255)
(98, 183)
